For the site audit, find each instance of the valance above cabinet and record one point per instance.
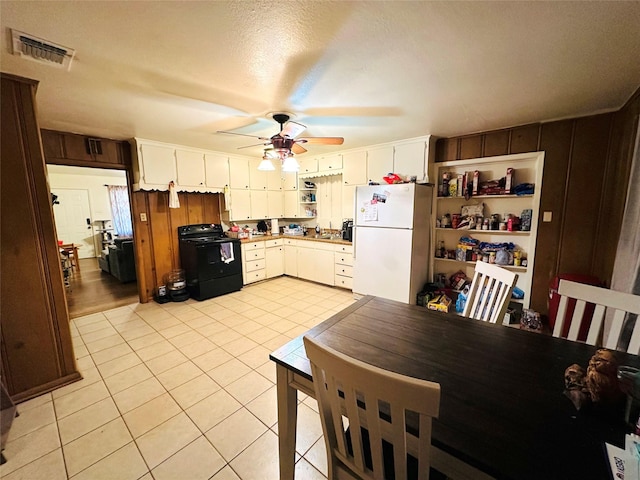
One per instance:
(156, 165)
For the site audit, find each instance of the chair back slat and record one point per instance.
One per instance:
(617, 304)
(375, 402)
(597, 320)
(562, 310)
(616, 329)
(576, 320)
(489, 293)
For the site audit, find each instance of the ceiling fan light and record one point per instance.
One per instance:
(290, 165)
(266, 165)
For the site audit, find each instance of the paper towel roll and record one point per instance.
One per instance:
(275, 230)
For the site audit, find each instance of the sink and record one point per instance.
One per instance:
(324, 236)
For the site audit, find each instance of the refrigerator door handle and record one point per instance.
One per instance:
(353, 240)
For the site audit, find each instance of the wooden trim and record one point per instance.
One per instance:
(80, 163)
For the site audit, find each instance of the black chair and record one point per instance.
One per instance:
(122, 263)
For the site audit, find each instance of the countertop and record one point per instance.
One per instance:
(310, 238)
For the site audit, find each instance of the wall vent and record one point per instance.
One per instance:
(40, 50)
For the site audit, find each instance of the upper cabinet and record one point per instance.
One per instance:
(308, 165)
(409, 159)
(190, 168)
(239, 176)
(72, 149)
(354, 168)
(330, 164)
(156, 164)
(257, 178)
(216, 169)
(379, 163)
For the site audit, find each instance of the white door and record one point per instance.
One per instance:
(382, 263)
(73, 220)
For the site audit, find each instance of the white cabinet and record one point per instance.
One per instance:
(290, 257)
(274, 180)
(239, 173)
(157, 166)
(253, 261)
(259, 204)
(343, 258)
(291, 205)
(240, 209)
(379, 163)
(527, 168)
(409, 159)
(289, 181)
(331, 163)
(274, 257)
(275, 205)
(316, 262)
(190, 168)
(257, 178)
(216, 168)
(308, 165)
(354, 168)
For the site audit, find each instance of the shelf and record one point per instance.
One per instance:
(485, 232)
(307, 189)
(307, 203)
(509, 267)
(486, 196)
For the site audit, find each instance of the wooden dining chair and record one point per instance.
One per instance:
(376, 423)
(604, 299)
(489, 293)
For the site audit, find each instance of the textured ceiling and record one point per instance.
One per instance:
(371, 72)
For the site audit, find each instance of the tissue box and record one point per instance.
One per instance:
(439, 303)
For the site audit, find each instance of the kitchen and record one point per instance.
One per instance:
(585, 141)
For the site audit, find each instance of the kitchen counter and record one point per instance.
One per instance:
(311, 238)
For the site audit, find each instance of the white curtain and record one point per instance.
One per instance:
(626, 269)
(121, 210)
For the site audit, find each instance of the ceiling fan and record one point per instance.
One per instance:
(285, 143)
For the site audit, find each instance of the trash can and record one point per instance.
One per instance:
(554, 303)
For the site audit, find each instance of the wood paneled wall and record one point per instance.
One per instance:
(586, 171)
(156, 239)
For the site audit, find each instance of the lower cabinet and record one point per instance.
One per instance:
(291, 257)
(274, 258)
(344, 266)
(320, 262)
(253, 262)
(316, 262)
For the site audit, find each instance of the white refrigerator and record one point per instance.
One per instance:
(392, 230)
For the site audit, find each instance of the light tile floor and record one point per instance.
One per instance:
(182, 391)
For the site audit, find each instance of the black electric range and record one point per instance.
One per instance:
(212, 262)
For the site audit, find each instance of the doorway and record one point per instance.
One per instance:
(82, 210)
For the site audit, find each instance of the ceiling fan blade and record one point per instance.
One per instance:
(292, 129)
(295, 148)
(322, 140)
(242, 135)
(256, 145)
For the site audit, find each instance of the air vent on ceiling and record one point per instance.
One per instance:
(40, 50)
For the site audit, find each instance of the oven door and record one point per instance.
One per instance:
(218, 259)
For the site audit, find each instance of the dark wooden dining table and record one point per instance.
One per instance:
(502, 409)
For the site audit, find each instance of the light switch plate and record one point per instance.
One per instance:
(546, 216)
(143, 217)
